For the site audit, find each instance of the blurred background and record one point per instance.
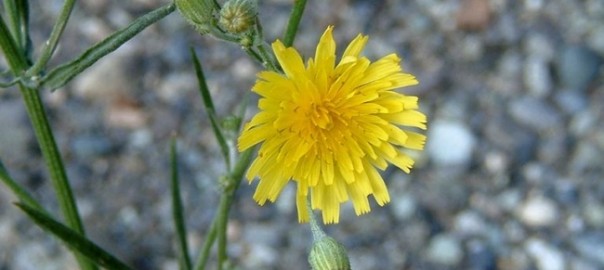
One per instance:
(511, 177)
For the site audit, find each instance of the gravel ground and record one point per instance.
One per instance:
(511, 177)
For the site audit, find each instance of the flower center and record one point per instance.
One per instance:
(321, 114)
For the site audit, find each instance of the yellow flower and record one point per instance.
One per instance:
(331, 127)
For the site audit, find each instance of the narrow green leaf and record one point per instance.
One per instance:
(17, 13)
(18, 190)
(12, 15)
(23, 7)
(51, 44)
(64, 73)
(73, 240)
(177, 209)
(15, 59)
(9, 84)
(209, 105)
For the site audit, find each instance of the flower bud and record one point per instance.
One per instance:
(198, 13)
(237, 16)
(328, 254)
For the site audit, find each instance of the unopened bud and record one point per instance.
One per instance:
(237, 16)
(198, 13)
(328, 254)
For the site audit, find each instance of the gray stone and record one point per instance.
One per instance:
(403, 206)
(87, 146)
(596, 38)
(469, 223)
(538, 211)
(261, 233)
(35, 255)
(545, 255)
(105, 81)
(581, 123)
(534, 114)
(480, 256)
(582, 264)
(578, 66)
(571, 102)
(450, 143)
(15, 133)
(586, 156)
(537, 77)
(260, 256)
(590, 246)
(593, 212)
(444, 249)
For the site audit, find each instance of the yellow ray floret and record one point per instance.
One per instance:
(330, 127)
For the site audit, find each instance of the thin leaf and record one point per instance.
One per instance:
(51, 44)
(18, 190)
(14, 58)
(209, 105)
(73, 240)
(64, 73)
(9, 84)
(14, 22)
(17, 13)
(23, 7)
(177, 210)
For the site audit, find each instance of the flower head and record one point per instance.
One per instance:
(237, 16)
(329, 127)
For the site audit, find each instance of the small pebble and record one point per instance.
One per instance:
(481, 256)
(444, 249)
(538, 211)
(590, 246)
(404, 207)
(593, 211)
(450, 143)
(571, 102)
(545, 255)
(535, 114)
(578, 66)
(536, 76)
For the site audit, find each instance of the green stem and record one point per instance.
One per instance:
(219, 224)
(234, 178)
(55, 35)
(269, 61)
(207, 246)
(254, 55)
(50, 152)
(45, 138)
(294, 21)
(223, 213)
(315, 228)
